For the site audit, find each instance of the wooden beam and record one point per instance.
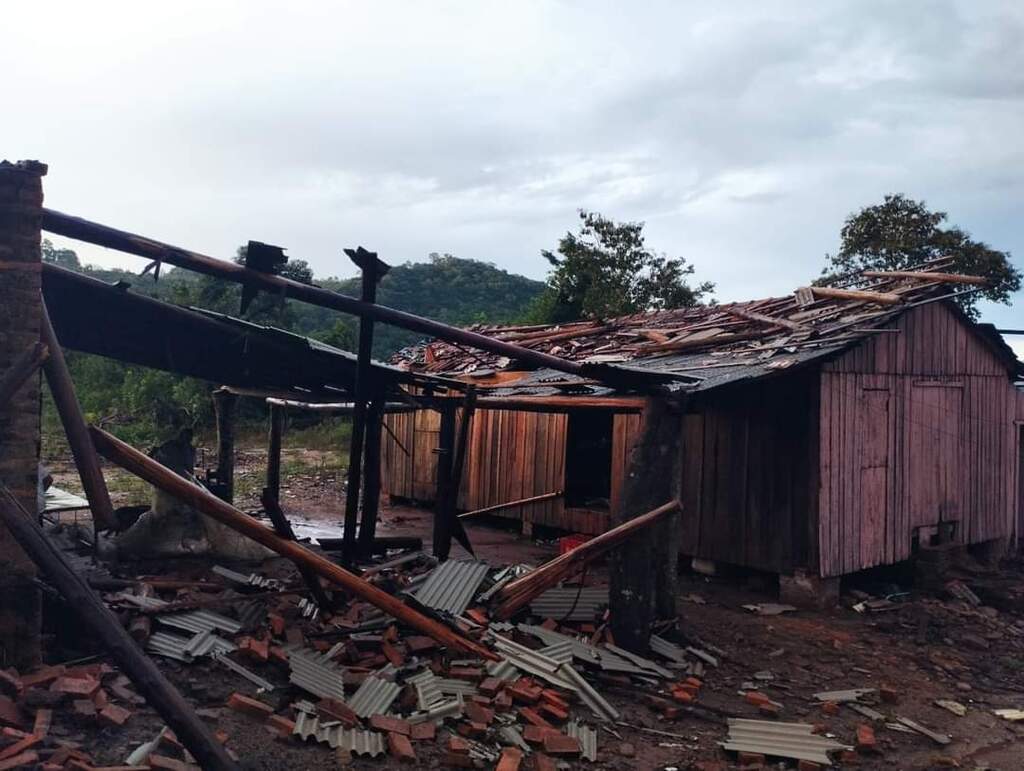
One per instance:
(924, 275)
(21, 369)
(340, 408)
(224, 403)
(512, 504)
(860, 295)
(94, 615)
(86, 461)
(761, 318)
(520, 592)
(144, 467)
(455, 526)
(371, 476)
(548, 403)
(442, 540)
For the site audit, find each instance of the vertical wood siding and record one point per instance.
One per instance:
(915, 430)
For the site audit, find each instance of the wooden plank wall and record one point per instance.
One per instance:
(749, 464)
(915, 430)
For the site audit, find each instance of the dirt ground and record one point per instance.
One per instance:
(928, 647)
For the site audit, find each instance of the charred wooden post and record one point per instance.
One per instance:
(371, 476)
(455, 526)
(21, 201)
(66, 400)
(642, 572)
(284, 529)
(277, 417)
(445, 451)
(373, 270)
(224, 403)
(160, 476)
(21, 369)
(94, 615)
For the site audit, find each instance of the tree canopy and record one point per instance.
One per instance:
(607, 270)
(901, 233)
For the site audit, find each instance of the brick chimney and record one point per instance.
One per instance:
(21, 204)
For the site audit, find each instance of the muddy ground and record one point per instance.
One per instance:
(929, 647)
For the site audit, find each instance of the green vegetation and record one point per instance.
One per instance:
(900, 233)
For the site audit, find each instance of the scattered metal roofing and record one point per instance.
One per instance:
(503, 670)
(316, 673)
(668, 650)
(249, 675)
(374, 697)
(190, 620)
(250, 579)
(571, 604)
(780, 740)
(586, 736)
(561, 652)
(704, 656)
(438, 711)
(609, 658)
(851, 694)
(450, 586)
(335, 735)
(644, 665)
(187, 648)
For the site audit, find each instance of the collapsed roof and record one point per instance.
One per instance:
(706, 346)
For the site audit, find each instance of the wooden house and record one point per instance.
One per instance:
(824, 432)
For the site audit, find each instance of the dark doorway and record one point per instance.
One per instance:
(588, 459)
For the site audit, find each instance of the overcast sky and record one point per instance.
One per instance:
(742, 136)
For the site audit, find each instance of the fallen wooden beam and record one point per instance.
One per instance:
(144, 467)
(860, 295)
(512, 504)
(762, 318)
(952, 278)
(520, 592)
(66, 400)
(95, 616)
(21, 369)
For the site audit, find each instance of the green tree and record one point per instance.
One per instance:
(901, 233)
(607, 270)
(65, 258)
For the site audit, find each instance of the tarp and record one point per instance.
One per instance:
(56, 499)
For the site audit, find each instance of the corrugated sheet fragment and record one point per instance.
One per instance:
(503, 670)
(438, 711)
(334, 734)
(668, 650)
(608, 659)
(374, 697)
(451, 586)
(512, 736)
(190, 620)
(780, 740)
(586, 736)
(571, 604)
(560, 651)
(249, 675)
(316, 673)
(645, 665)
(187, 648)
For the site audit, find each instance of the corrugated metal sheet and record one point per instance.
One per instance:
(249, 675)
(610, 659)
(189, 620)
(560, 651)
(780, 740)
(503, 670)
(334, 734)
(572, 604)
(438, 711)
(187, 648)
(644, 665)
(450, 587)
(586, 736)
(374, 697)
(317, 674)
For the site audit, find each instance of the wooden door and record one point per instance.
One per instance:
(935, 429)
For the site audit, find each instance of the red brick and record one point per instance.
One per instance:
(888, 694)
(532, 717)
(478, 615)
(510, 759)
(770, 710)
(423, 732)
(479, 714)
(684, 697)
(490, 686)
(419, 644)
(472, 730)
(456, 760)
(164, 763)
(830, 708)
(390, 724)
(555, 712)
(866, 741)
(466, 673)
(277, 623)
(100, 698)
(808, 765)
(401, 748)
(392, 654)
(756, 698)
(19, 747)
(75, 686)
(84, 707)
(115, 715)
(253, 707)
(751, 759)
(339, 711)
(535, 734)
(693, 681)
(42, 676)
(848, 758)
(550, 624)
(282, 725)
(556, 743)
(522, 692)
(43, 719)
(19, 761)
(552, 696)
(258, 650)
(458, 745)
(542, 762)
(502, 701)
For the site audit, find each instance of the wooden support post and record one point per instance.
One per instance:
(21, 369)
(642, 573)
(284, 529)
(95, 616)
(86, 461)
(373, 270)
(371, 476)
(144, 467)
(277, 418)
(444, 451)
(455, 526)
(224, 406)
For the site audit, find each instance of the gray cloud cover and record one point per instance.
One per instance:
(742, 133)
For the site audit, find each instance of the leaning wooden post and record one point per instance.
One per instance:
(373, 269)
(639, 585)
(224, 406)
(144, 467)
(371, 475)
(86, 461)
(277, 417)
(94, 615)
(444, 451)
(455, 526)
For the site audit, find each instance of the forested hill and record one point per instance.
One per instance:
(145, 404)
